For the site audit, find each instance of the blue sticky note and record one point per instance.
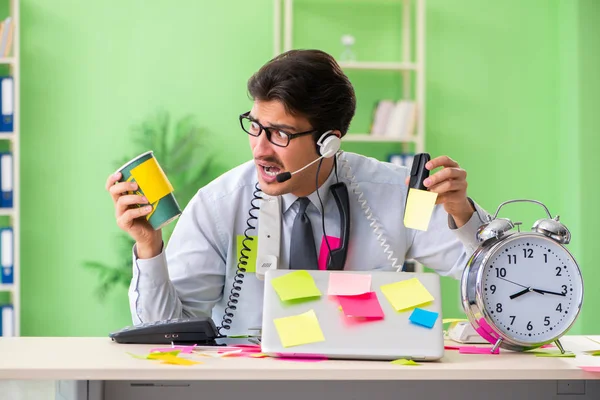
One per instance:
(423, 317)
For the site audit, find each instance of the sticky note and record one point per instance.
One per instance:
(152, 180)
(591, 369)
(348, 284)
(404, 361)
(594, 353)
(160, 354)
(299, 329)
(168, 359)
(252, 245)
(295, 285)
(419, 207)
(182, 349)
(556, 353)
(364, 305)
(406, 294)
(424, 318)
(453, 320)
(477, 350)
(334, 243)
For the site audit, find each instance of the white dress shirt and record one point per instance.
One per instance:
(193, 276)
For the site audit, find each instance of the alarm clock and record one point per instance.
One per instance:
(522, 290)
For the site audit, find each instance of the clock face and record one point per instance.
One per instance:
(531, 288)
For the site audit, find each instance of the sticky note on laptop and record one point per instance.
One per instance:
(424, 318)
(348, 284)
(406, 294)
(295, 286)
(419, 202)
(299, 329)
(362, 306)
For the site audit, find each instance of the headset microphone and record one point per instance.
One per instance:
(284, 176)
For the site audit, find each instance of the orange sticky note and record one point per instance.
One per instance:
(419, 207)
(299, 329)
(406, 294)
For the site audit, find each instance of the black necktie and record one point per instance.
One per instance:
(303, 254)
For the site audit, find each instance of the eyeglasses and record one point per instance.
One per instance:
(276, 136)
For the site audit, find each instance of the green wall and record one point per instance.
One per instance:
(496, 90)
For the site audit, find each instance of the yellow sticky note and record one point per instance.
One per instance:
(419, 206)
(453, 320)
(295, 285)
(152, 180)
(299, 329)
(406, 294)
(404, 361)
(177, 360)
(250, 252)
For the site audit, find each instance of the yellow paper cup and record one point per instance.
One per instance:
(154, 184)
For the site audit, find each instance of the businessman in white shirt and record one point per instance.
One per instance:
(302, 106)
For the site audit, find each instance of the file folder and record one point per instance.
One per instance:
(6, 103)
(6, 180)
(6, 255)
(7, 320)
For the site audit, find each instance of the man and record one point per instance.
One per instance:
(298, 97)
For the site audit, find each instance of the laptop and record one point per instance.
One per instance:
(345, 337)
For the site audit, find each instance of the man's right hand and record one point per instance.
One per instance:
(131, 218)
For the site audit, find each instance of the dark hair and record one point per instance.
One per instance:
(309, 83)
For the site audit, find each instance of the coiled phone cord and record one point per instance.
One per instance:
(374, 223)
(238, 278)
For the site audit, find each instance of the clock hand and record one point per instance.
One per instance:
(514, 283)
(549, 292)
(521, 293)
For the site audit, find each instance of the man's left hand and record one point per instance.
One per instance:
(450, 183)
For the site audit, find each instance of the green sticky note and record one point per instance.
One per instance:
(296, 285)
(554, 353)
(404, 361)
(252, 246)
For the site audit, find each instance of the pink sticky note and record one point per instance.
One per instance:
(485, 331)
(348, 284)
(590, 369)
(546, 346)
(364, 305)
(334, 243)
(451, 347)
(476, 350)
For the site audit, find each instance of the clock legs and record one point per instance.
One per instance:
(562, 351)
(498, 342)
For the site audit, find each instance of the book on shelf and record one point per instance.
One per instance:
(6, 180)
(395, 119)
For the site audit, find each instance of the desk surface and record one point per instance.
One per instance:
(82, 358)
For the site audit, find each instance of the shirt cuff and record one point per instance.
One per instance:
(152, 272)
(467, 233)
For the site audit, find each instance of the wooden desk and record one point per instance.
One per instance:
(99, 359)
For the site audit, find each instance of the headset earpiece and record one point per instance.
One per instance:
(328, 144)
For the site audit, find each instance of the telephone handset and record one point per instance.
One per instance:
(199, 330)
(337, 257)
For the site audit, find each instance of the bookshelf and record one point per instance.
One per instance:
(411, 69)
(10, 141)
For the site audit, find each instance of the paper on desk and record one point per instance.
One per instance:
(419, 207)
(169, 359)
(348, 284)
(182, 349)
(299, 329)
(296, 285)
(250, 252)
(406, 294)
(477, 350)
(364, 305)
(424, 318)
(404, 361)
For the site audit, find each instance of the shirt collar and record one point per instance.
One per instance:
(288, 199)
